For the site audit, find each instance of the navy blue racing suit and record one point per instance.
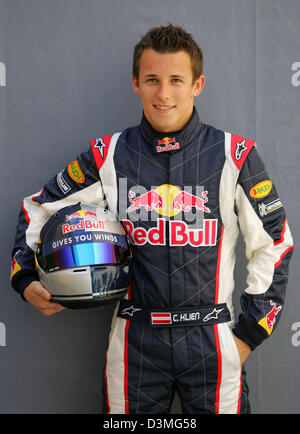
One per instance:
(182, 197)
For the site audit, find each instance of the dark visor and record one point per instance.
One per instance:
(83, 255)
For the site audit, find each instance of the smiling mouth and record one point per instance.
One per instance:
(163, 108)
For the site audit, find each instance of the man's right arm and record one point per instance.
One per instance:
(78, 182)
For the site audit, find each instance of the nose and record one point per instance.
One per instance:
(163, 91)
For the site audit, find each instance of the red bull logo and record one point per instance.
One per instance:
(167, 144)
(150, 201)
(179, 233)
(185, 201)
(168, 200)
(271, 316)
(88, 221)
(15, 267)
(81, 213)
(269, 320)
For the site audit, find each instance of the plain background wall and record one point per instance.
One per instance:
(65, 78)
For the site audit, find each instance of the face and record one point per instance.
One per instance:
(166, 88)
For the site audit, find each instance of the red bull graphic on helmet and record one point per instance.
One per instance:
(167, 144)
(88, 222)
(269, 320)
(81, 213)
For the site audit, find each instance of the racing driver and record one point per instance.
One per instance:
(182, 190)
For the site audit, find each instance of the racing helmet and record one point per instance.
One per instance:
(83, 257)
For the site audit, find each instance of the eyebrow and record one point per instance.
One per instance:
(172, 76)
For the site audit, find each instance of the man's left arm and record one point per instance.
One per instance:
(269, 245)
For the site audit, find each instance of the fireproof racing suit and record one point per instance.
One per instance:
(182, 198)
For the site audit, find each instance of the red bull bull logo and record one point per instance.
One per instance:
(15, 267)
(185, 201)
(81, 213)
(150, 200)
(168, 200)
(269, 320)
(167, 144)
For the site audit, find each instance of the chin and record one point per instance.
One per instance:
(163, 126)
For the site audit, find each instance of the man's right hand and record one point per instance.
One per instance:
(40, 298)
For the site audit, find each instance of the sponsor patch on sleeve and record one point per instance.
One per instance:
(262, 189)
(100, 148)
(62, 183)
(240, 148)
(266, 208)
(15, 267)
(75, 172)
(269, 320)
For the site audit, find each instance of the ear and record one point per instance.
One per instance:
(135, 84)
(199, 85)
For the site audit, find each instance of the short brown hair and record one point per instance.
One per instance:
(169, 39)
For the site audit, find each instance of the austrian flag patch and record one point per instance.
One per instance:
(161, 318)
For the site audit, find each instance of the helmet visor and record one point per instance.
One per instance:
(83, 255)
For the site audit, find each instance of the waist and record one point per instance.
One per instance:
(174, 317)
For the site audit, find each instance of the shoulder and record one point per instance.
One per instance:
(237, 148)
(103, 147)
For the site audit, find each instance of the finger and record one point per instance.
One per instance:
(41, 298)
(39, 290)
(42, 292)
(57, 306)
(51, 308)
(49, 304)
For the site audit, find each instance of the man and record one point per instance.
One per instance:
(182, 190)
